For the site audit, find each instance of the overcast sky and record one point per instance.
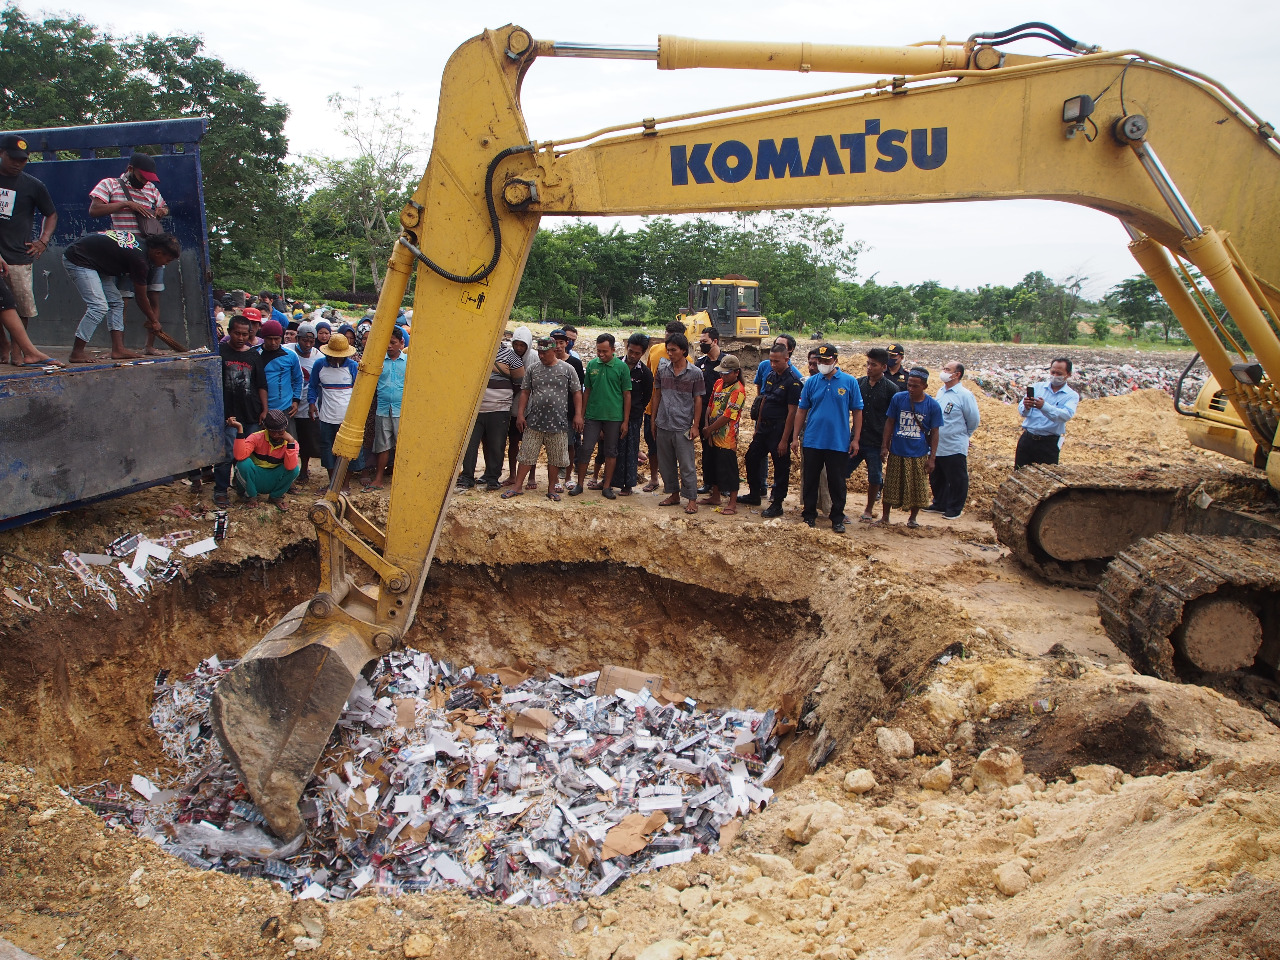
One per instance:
(300, 51)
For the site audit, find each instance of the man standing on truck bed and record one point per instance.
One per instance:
(95, 262)
(134, 203)
(21, 195)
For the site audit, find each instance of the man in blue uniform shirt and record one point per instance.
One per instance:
(824, 434)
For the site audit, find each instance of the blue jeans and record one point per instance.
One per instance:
(328, 432)
(101, 299)
(222, 471)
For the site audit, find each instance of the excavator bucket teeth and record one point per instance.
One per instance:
(274, 712)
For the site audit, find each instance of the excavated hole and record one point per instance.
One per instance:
(77, 689)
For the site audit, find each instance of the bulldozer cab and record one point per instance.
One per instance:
(726, 301)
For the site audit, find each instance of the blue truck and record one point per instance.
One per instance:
(71, 437)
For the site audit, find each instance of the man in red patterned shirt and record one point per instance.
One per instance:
(130, 199)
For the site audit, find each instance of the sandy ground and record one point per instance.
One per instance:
(1050, 803)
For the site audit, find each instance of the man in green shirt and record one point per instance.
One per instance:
(607, 410)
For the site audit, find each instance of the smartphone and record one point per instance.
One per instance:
(1031, 393)
(290, 446)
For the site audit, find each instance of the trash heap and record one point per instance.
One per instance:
(496, 783)
(1009, 382)
(132, 564)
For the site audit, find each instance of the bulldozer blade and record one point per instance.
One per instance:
(274, 711)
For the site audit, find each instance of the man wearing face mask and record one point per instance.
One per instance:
(949, 481)
(1045, 411)
(824, 434)
(709, 359)
(130, 199)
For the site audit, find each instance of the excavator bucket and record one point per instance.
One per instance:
(274, 712)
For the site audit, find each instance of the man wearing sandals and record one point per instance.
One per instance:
(910, 445)
(267, 461)
(678, 390)
(607, 407)
(542, 416)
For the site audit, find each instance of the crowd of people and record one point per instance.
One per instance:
(643, 411)
(287, 377)
(542, 401)
(288, 373)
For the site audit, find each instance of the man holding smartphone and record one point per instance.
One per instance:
(1045, 409)
(266, 461)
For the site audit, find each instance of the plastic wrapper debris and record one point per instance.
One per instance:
(1009, 382)
(529, 792)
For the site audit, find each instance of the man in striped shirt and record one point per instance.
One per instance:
(129, 199)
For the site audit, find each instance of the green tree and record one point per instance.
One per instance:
(369, 188)
(1135, 302)
(64, 71)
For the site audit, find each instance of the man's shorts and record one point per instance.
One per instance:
(19, 277)
(155, 281)
(7, 301)
(875, 464)
(592, 432)
(386, 431)
(557, 445)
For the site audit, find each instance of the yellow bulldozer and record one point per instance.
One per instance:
(730, 304)
(1188, 583)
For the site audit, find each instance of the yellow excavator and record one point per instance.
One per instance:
(943, 121)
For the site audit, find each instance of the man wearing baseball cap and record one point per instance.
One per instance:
(896, 372)
(21, 195)
(824, 434)
(132, 200)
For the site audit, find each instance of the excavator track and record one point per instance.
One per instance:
(1067, 523)
(1182, 606)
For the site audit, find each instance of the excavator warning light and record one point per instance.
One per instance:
(1077, 109)
(1250, 374)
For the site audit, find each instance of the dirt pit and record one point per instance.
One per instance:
(79, 687)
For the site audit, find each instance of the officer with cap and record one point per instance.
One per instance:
(896, 371)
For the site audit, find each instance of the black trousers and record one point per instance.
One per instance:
(950, 482)
(491, 430)
(723, 469)
(837, 464)
(1033, 448)
(764, 445)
